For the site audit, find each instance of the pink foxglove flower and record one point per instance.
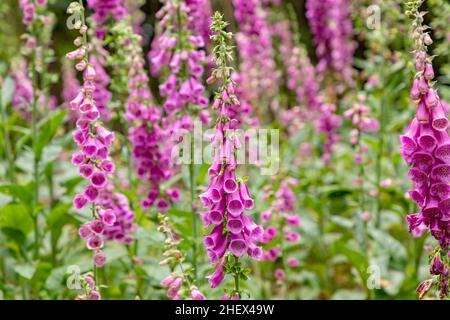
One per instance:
(227, 198)
(107, 9)
(425, 147)
(282, 221)
(359, 115)
(94, 142)
(332, 29)
(327, 124)
(258, 77)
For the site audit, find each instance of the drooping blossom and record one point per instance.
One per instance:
(425, 147)
(93, 141)
(227, 198)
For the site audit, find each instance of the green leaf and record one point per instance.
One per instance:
(48, 130)
(357, 259)
(57, 214)
(18, 191)
(25, 270)
(16, 216)
(7, 91)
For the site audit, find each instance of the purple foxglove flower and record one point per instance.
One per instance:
(196, 294)
(217, 276)
(427, 139)
(238, 245)
(107, 166)
(229, 181)
(293, 262)
(255, 252)
(108, 217)
(431, 99)
(94, 295)
(293, 219)
(214, 238)
(94, 243)
(408, 140)
(279, 274)
(216, 253)
(441, 172)
(417, 196)
(439, 118)
(234, 205)
(78, 158)
(84, 232)
(440, 190)
(86, 170)
(245, 195)
(216, 215)
(167, 281)
(79, 201)
(235, 226)
(91, 193)
(422, 113)
(99, 180)
(99, 259)
(415, 93)
(97, 226)
(106, 136)
(429, 72)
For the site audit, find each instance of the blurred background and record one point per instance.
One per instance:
(352, 199)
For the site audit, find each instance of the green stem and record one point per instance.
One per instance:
(381, 120)
(36, 159)
(53, 237)
(194, 214)
(362, 198)
(136, 273)
(236, 278)
(94, 216)
(7, 142)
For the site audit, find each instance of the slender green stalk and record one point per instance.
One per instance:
(362, 203)
(53, 238)
(194, 214)
(135, 270)
(7, 142)
(236, 278)
(381, 140)
(36, 158)
(94, 216)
